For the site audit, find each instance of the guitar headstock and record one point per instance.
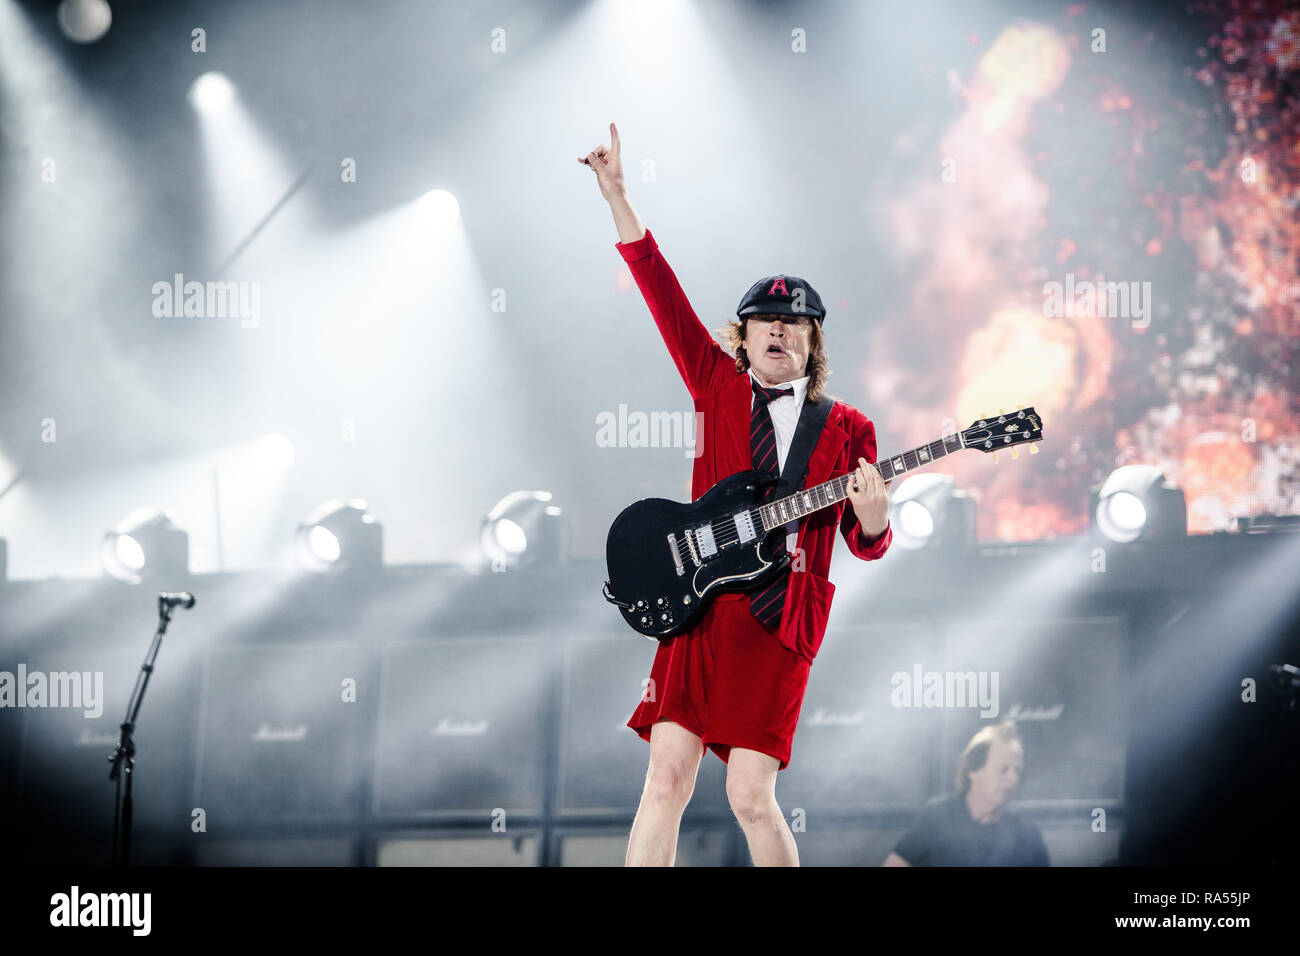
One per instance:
(992, 433)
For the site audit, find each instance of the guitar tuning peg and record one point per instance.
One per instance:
(995, 458)
(1033, 448)
(1015, 451)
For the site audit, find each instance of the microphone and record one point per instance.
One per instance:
(1286, 676)
(176, 599)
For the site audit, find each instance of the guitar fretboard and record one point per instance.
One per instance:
(805, 502)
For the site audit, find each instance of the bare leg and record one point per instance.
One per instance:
(669, 782)
(751, 789)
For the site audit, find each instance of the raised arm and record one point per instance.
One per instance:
(704, 365)
(607, 163)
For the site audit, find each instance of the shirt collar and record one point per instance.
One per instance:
(799, 386)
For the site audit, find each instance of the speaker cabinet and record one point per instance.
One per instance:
(854, 748)
(465, 726)
(283, 731)
(1064, 683)
(602, 761)
(62, 790)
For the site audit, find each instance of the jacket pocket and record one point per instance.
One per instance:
(807, 607)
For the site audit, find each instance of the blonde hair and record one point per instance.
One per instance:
(818, 370)
(977, 750)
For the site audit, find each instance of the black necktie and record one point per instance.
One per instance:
(767, 603)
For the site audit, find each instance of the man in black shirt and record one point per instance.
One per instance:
(971, 827)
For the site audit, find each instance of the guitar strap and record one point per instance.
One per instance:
(812, 419)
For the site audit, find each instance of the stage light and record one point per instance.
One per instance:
(524, 528)
(84, 21)
(146, 546)
(439, 205)
(274, 454)
(340, 535)
(928, 511)
(212, 93)
(1137, 502)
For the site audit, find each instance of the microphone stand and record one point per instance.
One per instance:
(124, 753)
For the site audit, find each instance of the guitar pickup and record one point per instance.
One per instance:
(745, 527)
(704, 541)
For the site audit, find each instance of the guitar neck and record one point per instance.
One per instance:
(792, 507)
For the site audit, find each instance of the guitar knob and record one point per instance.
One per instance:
(665, 617)
(644, 619)
(660, 602)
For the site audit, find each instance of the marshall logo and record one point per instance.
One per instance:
(87, 739)
(268, 734)
(1017, 712)
(836, 718)
(459, 728)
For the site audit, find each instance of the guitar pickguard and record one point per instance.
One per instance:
(723, 579)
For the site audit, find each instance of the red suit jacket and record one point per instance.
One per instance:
(724, 396)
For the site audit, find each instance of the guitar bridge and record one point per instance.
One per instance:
(677, 554)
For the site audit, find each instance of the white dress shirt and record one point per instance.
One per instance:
(785, 418)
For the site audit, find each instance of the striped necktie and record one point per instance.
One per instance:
(767, 603)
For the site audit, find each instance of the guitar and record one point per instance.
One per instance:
(668, 560)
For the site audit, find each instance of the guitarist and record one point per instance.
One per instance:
(735, 682)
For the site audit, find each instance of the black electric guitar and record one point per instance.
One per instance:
(668, 560)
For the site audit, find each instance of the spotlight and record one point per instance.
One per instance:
(1138, 502)
(524, 528)
(340, 535)
(146, 546)
(212, 93)
(439, 205)
(273, 454)
(928, 511)
(84, 21)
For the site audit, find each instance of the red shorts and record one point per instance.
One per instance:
(729, 681)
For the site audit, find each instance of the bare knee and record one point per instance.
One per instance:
(668, 783)
(752, 802)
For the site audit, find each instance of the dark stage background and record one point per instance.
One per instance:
(421, 309)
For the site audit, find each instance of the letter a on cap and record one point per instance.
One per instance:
(778, 283)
